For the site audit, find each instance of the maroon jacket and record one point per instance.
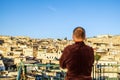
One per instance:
(78, 58)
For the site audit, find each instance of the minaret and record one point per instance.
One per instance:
(35, 50)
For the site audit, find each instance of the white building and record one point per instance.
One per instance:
(28, 52)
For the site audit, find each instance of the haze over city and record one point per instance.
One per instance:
(57, 18)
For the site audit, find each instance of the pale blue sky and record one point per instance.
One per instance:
(58, 18)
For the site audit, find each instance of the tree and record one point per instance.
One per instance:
(97, 57)
(65, 38)
(59, 39)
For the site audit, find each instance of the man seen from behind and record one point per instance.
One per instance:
(78, 58)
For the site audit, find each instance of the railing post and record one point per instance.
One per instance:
(19, 73)
(93, 71)
(100, 72)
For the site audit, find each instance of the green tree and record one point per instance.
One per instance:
(65, 38)
(97, 57)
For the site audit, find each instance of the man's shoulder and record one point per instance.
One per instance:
(89, 48)
(69, 46)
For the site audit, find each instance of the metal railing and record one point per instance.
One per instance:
(99, 72)
(43, 74)
(106, 72)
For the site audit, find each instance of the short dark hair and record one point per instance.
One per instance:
(79, 32)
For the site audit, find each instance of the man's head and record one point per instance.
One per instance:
(79, 34)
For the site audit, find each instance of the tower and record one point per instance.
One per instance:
(35, 50)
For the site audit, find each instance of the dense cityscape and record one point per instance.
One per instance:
(25, 58)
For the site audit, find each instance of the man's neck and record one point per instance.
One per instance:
(78, 40)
